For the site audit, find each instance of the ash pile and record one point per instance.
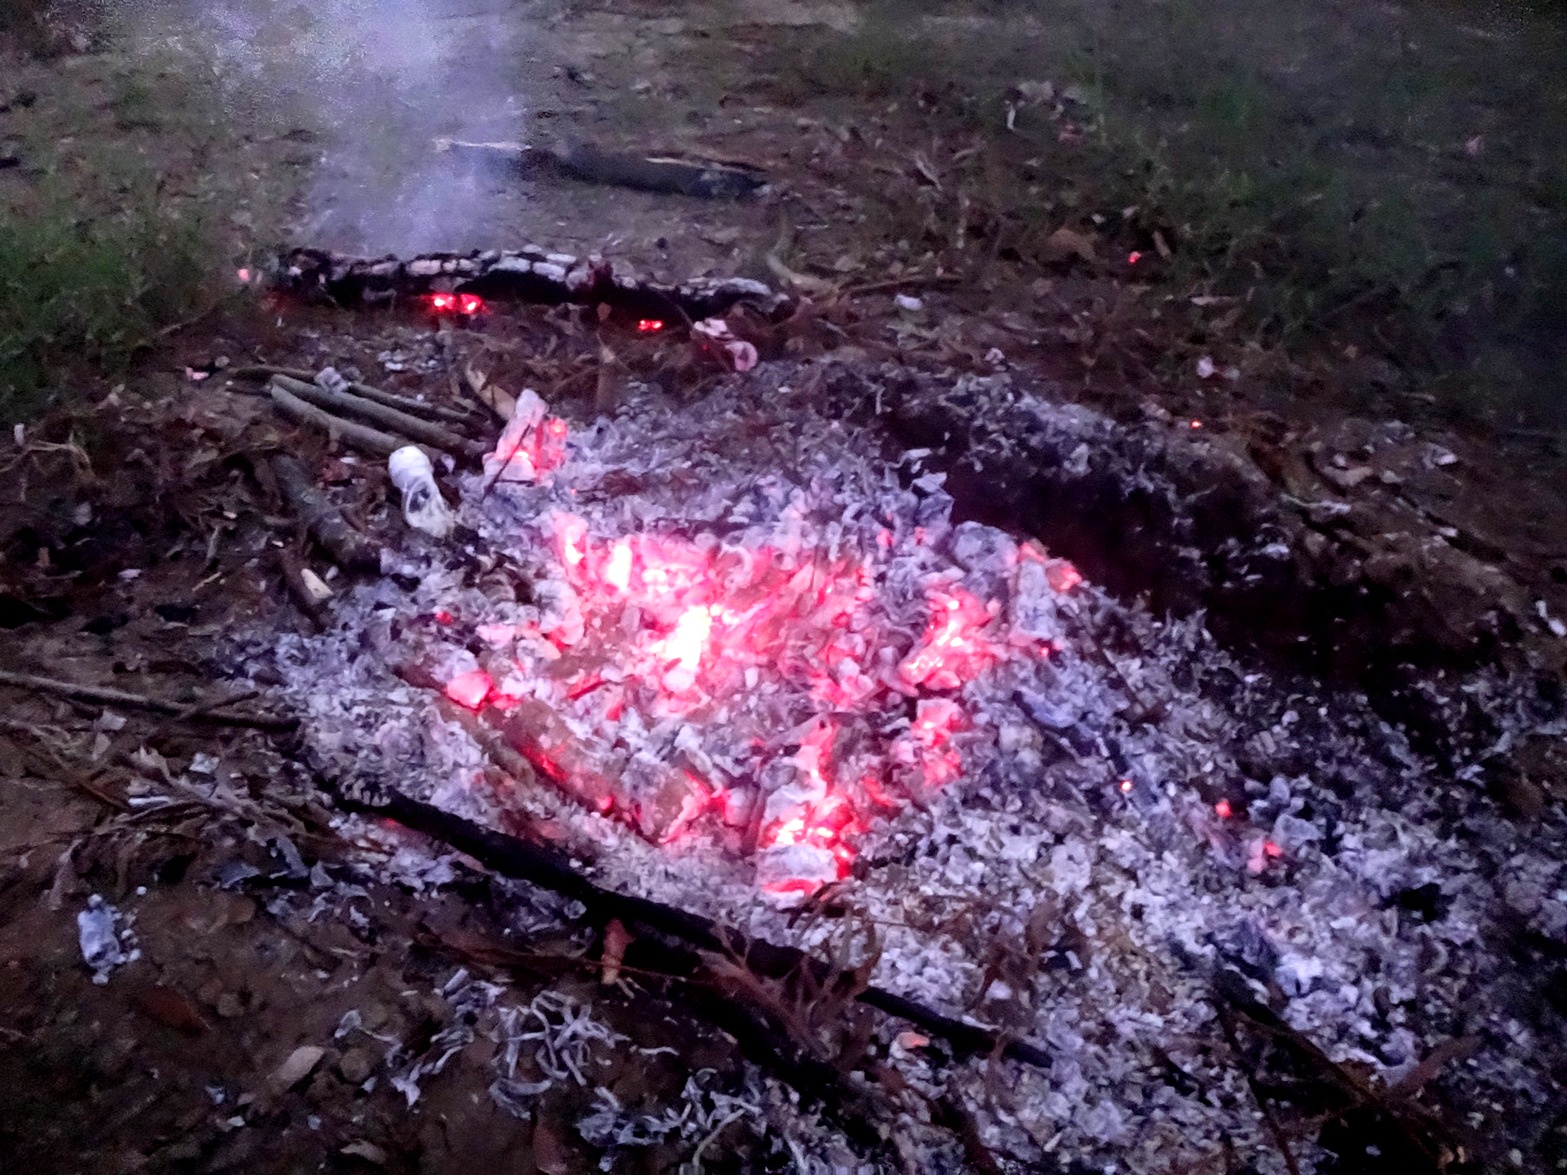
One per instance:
(738, 657)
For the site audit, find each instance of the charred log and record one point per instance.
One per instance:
(587, 163)
(692, 933)
(523, 275)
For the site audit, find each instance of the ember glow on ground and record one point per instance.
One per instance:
(713, 633)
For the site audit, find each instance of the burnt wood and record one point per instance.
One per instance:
(549, 869)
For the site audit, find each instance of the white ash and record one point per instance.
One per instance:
(1312, 888)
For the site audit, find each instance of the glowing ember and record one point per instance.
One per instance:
(1223, 810)
(682, 649)
(773, 687)
(471, 689)
(444, 302)
(649, 326)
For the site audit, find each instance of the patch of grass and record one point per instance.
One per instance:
(135, 102)
(879, 59)
(1376, 176)
(82, 291)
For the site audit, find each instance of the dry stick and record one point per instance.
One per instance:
(901, 283)
(1269, 1119)
(361, 437)
(197, 709)
(548, 869)
(108, 695)
(293, 570)
(363, 390)
(323, 521)
(393, 418)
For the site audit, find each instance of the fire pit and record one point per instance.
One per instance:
(739, 658)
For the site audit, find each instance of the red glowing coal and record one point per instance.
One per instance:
(468, 305)
(824, 706)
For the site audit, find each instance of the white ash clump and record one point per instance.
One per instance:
(1137, 812)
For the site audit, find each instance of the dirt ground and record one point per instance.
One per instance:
(137, 537)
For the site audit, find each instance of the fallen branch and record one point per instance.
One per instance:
(323, 521)
(293, 570)
(550, 870)
(203, 712)
(363, 390)
(586, 163)
(359, 436)
(405, 424)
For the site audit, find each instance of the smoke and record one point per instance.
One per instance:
(368, 85)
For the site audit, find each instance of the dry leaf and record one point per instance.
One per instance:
(367, 1151)
(926, 172)
(171, 1009)
(611, 380)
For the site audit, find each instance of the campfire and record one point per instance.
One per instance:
(739, 660)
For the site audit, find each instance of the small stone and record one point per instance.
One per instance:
(229, 1005)
(296, 1068)
(356, 1065)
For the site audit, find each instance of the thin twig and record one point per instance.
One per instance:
(83, 692)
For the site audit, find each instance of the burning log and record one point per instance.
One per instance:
(323, 521)
(406, 425)
(524, 275)
(704, 179)
(694, 933)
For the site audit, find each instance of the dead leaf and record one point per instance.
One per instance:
(367, 1151)
(1455, 1048)
(171, 1009)
(492, 396)
(1066, 243)
(611, 380)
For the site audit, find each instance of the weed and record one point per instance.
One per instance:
(83, 291)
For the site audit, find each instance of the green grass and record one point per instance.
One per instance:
(82, 291)
(1307, 159)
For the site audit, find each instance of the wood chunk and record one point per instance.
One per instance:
(323, 521)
